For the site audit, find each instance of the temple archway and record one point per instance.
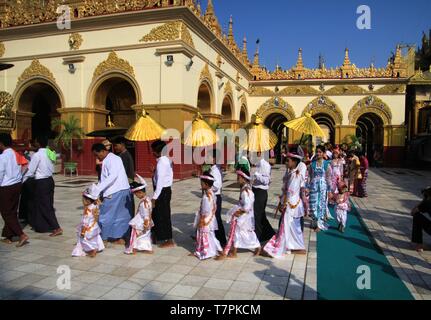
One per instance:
(327, 123)
(205, 98)
(243, 115)
(36, 103)
(227, 112)
(370, 130)
(275, 122)
(117, 94)
(324, 105)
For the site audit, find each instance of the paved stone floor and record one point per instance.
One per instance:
(31, 272)
(386, 212)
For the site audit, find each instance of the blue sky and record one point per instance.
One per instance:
(324, 26)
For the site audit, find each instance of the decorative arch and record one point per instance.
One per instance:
(276, 105)
(114, 63)
(206, 79)
(231, 113)
(243, 110)
(113, 67)
(370, 104)
(36, 73)
(325, 105)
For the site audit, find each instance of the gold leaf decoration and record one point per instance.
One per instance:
(75, 41)
(391, 89)
(345, 90)
(370, 104)
(6, 104)
(170, 31)
(261, 91)
(2, 49)
(114, 63)
(298, 91)
(325, 105)
(205, 74)
(276, 104)
(228, 89)
(36, 69)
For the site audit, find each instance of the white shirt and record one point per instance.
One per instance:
(218, 180)
(41, 167)
(163, 177)
(113, 178)
(262, 175)
(10, 171)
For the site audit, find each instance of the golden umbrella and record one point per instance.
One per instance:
(199, 133)
(145, 129)
(259, 137)
(306, 125)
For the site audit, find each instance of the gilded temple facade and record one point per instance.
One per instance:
(173, 59)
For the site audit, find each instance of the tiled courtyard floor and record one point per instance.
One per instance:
(31, 272)
(386, 212)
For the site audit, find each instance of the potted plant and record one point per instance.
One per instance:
(70, 129)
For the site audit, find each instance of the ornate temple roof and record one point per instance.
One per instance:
(15, 13)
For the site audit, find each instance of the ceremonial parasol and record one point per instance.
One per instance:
(145, 129)
(110, 131)
(199, 133)
(259, 137)
(305, 125)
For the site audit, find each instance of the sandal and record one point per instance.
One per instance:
(56, 233)
(22, 242)
(6, 241)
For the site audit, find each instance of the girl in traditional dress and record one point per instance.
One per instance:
(207, 245)
(140, 239)
(342, 206)
(290, 236)
(320, 189)
(337, 172)
(88, 231)
(241, 219)
(361, 182)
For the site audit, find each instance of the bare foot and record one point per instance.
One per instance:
(92, 253)
(56, 233)
(120, 242)
(167, 244)
(220, 257)
(257, 252)
(6, 241)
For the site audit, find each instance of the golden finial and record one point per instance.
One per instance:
(230, 33)
(346, 58)
(299, 62)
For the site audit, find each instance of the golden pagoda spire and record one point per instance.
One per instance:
(211, 19)
(256, 58)
(398, 55)
(230, 32)
(346, 58)
(210, 9)
(299, 62)
(244, 49)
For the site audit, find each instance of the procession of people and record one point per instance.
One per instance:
(309, 189)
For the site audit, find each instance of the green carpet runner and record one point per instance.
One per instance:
(340, 255)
